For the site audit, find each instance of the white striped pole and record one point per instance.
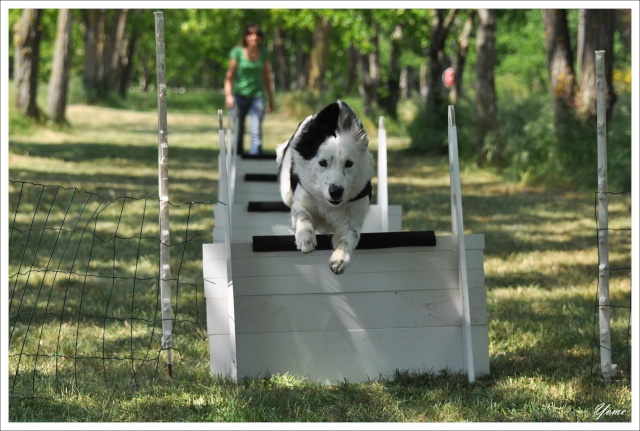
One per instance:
(457, 228)
(163, 192)
(383, 194)
(608, 369)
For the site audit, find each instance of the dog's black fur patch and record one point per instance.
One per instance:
(317, 130)
(279, 164)
(294, 179)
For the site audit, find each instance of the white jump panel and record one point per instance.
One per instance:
(394, 309)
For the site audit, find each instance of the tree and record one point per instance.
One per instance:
(434, 98)
(369, 67)
(390, 102)
(104, 55)
(319, 52)
(93, 47)
(280, 59)
(59, 82)
(460, 60)
(488, 143)
(115, 52)
(596, 32)
(26, 40)
(559, 62)
(128, 61)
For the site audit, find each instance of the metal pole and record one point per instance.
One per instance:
(163, 192)
(608, 369)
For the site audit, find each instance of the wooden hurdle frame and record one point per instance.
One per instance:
(417, 308)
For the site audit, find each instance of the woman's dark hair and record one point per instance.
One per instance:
(251, 29)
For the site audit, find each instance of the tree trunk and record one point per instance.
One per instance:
(458, 65)
(26, 40)
(486, 104)
(319, 52)
(435, 110)
(282, 75)
(559, 61)
(561, 73)
(393, 79)
(93, 50)
(115, 51)
(127, 67)
(597, 28)
(352, 67)
(59, 82)
(370, 76)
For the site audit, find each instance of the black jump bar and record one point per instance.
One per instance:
(271, 178)
(368, 241)
(267, 206)
(261, 156)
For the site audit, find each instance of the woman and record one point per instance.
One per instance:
(245, 85)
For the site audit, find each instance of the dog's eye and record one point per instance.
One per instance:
(323, 163)
(348, 164)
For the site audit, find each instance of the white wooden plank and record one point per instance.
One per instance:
(443, 243)
(480, 346)
(221, 358)
(213, 250)
(264, 166)
(364, 310)
(216, 287)
(317, 262)
(214, 267)
(359, 355)
(362, 261)
(353, 282)
(257, 187)
(217, 315)
(243, 196)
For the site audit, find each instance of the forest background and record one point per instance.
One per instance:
(524, 78)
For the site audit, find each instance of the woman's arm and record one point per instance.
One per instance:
(228, 83)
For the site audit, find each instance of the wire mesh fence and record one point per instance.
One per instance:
(84, 303)
(619, 276)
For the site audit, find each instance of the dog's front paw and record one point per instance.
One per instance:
(306, 241)
(339, 261)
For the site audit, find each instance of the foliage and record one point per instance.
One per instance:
(531, 74)
(198, 43)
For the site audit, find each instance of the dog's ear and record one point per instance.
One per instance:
(328, 117)
(349, 124)
(315, 130)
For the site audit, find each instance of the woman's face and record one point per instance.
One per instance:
(252, 39)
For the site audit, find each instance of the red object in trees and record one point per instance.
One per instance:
(448, 77)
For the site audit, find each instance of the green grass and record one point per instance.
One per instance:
(540, 266)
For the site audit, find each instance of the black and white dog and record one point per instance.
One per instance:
(325, 173)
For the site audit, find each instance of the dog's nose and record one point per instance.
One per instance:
(335, 191)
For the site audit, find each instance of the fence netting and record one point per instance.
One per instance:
(84, 304)
(619, 271)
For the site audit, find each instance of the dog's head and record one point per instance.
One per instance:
(332, 154)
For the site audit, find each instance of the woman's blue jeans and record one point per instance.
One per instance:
(253, 107)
